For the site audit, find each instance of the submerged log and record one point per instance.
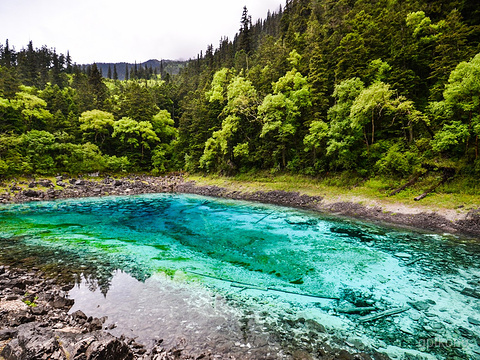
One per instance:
(355, 310)
(244, 285)
(383, 314)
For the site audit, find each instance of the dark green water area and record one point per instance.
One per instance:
(251, 279)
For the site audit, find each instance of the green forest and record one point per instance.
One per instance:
(388, 88)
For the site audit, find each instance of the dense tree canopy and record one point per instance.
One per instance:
(318, 86)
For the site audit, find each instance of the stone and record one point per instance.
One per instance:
(79, 315)
(108, 348)
(44, 183)
(415, 316)
(465, 332)
(6, 334)
(62, 302)
(471, 292)
(419, 305)
(474, 321)
(31, 193)
(403, 255)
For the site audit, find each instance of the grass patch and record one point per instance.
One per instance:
(460, 193)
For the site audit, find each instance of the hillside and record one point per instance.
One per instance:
(171, 67)
(384, 89)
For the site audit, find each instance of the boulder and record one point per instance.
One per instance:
(32, 193)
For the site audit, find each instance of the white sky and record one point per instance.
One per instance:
(119, 30)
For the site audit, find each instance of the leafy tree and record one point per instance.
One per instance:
(223, 147)
(97, 123)
(134, 134)
(163, 125)
(37, 155)
(344, 141)
(33, 110)
(281, 111)
(460, 109)
(11, 119)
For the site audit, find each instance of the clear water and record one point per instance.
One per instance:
(252, 280)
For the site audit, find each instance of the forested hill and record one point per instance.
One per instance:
(147, 69)
(375, 87)
(319, 86)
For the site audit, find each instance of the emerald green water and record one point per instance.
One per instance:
(249, 279)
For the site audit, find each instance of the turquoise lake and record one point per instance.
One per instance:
(253, 280)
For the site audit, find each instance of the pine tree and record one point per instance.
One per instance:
(109, 73)
(115, 74)
(126, 71)
(97, 87)
(245, 32)
(68, 61)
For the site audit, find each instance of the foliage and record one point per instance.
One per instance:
(359, 87)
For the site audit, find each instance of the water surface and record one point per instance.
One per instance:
(250, 279)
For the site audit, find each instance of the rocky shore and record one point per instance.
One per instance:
(64, 187)
(468, 225)
(35, 324)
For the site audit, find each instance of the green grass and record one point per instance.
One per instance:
(461, 193)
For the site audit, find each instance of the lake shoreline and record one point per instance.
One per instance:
(49, 316)
(465, 224)
(451, 221)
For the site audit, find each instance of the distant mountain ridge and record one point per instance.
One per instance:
(163, 67)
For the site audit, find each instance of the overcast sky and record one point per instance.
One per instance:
(119, 30)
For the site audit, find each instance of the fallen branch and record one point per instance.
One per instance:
(355, 310)
(307, 295)
(383, 314)
(244, 286)
(448, 173)
(403, 187)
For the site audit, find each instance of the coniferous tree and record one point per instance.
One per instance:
(97, 86)
(115, 74)
(245, 31)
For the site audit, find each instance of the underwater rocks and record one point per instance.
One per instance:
(35, 323)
